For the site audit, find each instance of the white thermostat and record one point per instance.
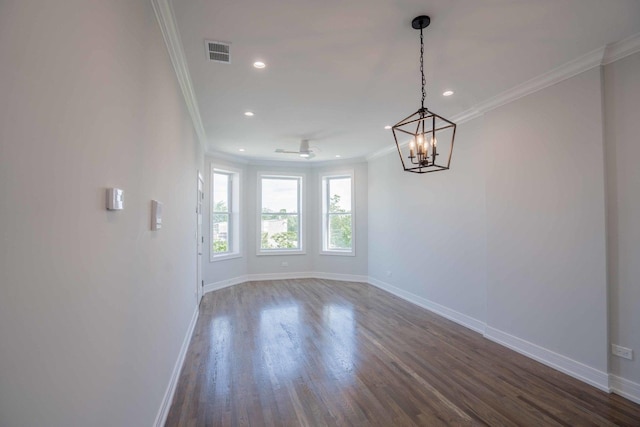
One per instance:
(156, 215)
(115, 199)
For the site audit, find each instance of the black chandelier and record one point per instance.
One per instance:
(416, 134)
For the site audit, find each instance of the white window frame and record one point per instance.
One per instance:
(235, 222)
(324, 214)
(301, 177)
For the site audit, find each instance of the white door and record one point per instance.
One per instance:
(200, 239)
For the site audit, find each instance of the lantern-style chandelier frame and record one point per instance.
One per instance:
(424, 138)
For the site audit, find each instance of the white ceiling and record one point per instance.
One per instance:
(339, 71)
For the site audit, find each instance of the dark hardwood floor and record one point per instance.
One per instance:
(317, 352)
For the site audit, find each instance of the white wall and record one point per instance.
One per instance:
(513, 235)
(311, 261)
(427, 232)
(93, 305)
(546, 280)
(622, 141)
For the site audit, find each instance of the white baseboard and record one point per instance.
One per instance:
(625, 388)
(163, 412)
(283, 276)
(573, 368)
(225, 283)
(547, 357)
(342, 277)
(462, 319)
(279, 276)
(578, 370)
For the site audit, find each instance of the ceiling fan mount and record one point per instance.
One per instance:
(304, 151)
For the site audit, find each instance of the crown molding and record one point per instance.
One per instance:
(621, 49)
(338, 162)
(300, 164)
(169, 28)
(467, 115)
(563, 72)
(226, 157)
(601, 56)
(382, 152)
(566, 71)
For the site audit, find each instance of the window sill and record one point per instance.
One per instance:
(225, 257)
(282, 252)
(338, 253)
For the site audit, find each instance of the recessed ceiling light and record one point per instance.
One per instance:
(259, 64)
(387, 127)
(338, 155)
(248, 114)
(242, 149)
(447, 93)
(305, 155)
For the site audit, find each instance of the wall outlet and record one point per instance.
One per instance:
(389, 273)
(284, 264)
(623, 352)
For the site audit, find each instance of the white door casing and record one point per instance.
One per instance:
(199, 238)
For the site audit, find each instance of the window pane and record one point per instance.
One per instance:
(339, 195)
(221, 233)
(340, 231)
(279, 232)
(280, 195)
(220, 192)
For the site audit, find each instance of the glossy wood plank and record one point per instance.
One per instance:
(324, 353)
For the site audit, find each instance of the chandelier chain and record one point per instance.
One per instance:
(424, 81)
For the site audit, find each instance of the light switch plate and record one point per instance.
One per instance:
(156, 215)
(115, 199)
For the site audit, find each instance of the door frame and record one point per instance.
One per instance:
(199, 238)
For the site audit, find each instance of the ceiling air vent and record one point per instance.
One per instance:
(218, 51)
